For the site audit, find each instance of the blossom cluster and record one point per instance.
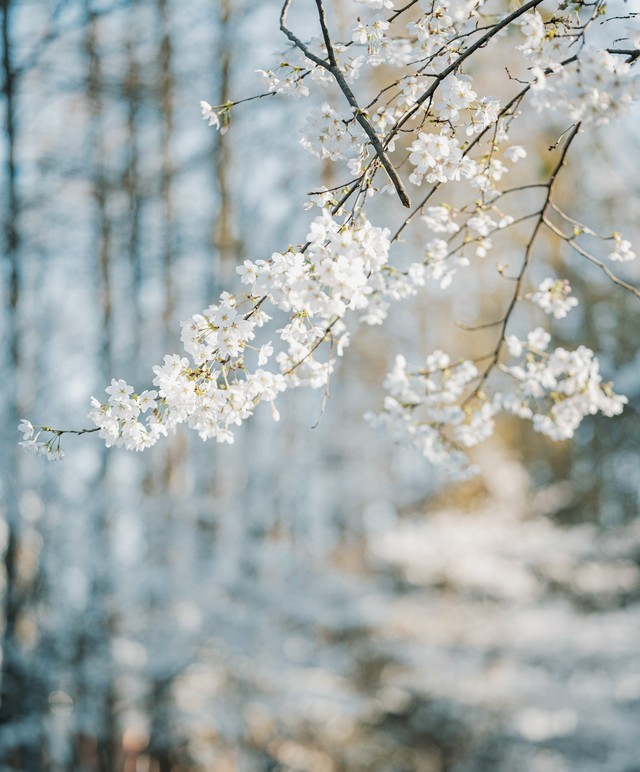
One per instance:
(599, 88)
(557, 390)
(436, 29)
(596, 86)
(36, 447)
(554, 297)
(286, 79)
(373, 36)
(215, 388)
(438, 158)
(622, 252)
(328, 135)
(437, 410)
(423, 410)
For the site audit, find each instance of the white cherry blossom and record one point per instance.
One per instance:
(554, 297)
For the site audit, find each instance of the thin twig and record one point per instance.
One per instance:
(59, 432)
(325, 396)
(314, 347)
(592, 258)
(525, 265)
(475, 327)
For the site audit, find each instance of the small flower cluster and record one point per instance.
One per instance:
(373, 37)
(36, 447)
(422, 410)
(459, 101)
(118, 419)
(286, 79)
(327, 135)
(556, 391)
(597, 88)
(554, 297)
(349, 63)
(441, 219)
(435, 30)
(603, 88)
(438, 158)
(622, 252)
(439, 263)
(218, 117)
(209, 113)
(533, 28)
(440, 256)
(427, 409)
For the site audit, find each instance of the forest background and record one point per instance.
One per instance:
(308, 598)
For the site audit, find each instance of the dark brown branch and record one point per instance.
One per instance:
(632, 53)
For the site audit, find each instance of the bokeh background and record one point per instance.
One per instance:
(307, 599)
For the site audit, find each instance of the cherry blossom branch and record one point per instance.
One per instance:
(592, 258)
(456, 64)
(476, 327)
(504, 111)
(359, 115)
(525, 264)
(577, 224)
(344, 266)
(632, 53)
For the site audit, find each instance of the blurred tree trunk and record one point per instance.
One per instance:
(167, 171)
(166, 483)
(223, 233)
(93, 646)
(20, 695)
(131, 182)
